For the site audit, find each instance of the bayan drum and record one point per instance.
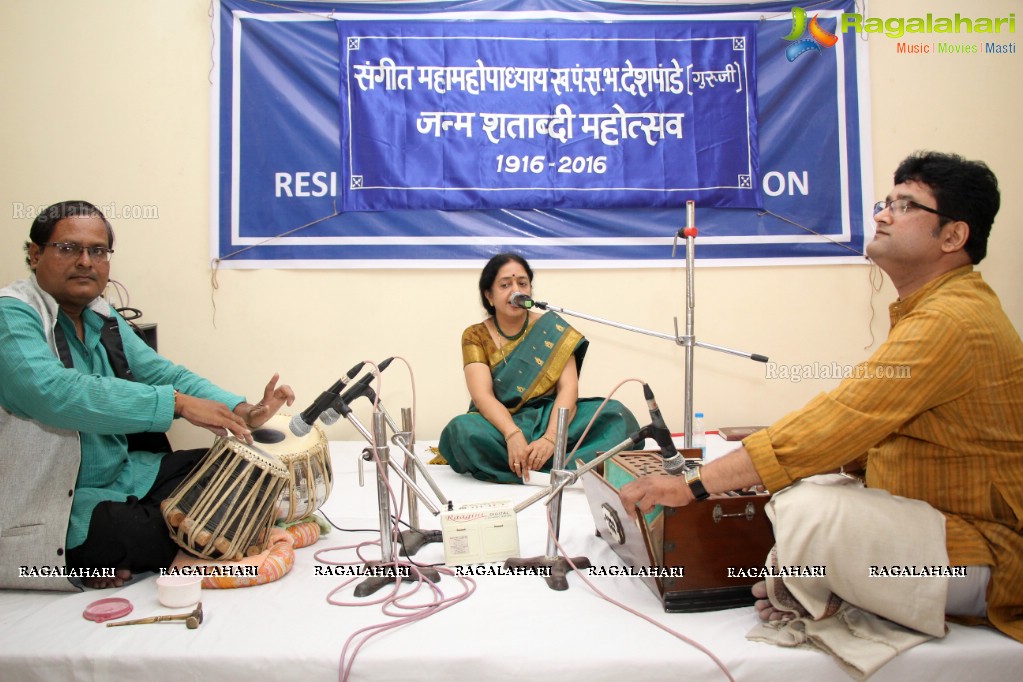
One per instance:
(226, 507)
(307, 459)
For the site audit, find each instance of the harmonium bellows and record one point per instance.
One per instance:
(711, 545)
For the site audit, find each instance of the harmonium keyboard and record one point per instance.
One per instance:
(694, 558)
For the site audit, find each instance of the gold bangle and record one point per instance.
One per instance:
(547, 437)
(512, 433)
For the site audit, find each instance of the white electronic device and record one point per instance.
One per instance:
(479, 533)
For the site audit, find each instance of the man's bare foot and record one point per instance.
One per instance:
(765, 609)
(121, 576)
(787, 606)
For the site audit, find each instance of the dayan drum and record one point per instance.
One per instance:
(307, 459)
(227, 506)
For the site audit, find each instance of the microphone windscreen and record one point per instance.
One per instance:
(298, 426)
(675, 464)
(521, 300)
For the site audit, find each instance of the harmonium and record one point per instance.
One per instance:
(694, 558)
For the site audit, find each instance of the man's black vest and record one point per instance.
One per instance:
(110, 338)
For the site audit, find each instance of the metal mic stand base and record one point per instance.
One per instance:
(559, 567)
(413, 540)
(385, 573)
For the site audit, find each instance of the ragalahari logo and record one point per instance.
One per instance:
(818, 36)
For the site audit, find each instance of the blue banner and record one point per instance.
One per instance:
(310, 162)
(497, 114)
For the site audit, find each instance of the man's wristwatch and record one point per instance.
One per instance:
(695, 483)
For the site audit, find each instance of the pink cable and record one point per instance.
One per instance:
(596, 414)
(665, 628)
(394, 603)
(596, 590)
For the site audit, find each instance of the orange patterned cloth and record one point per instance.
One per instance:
(305, 533)
(273, 564)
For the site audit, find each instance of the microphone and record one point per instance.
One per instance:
(358, 389)
(674, 463)
(521, 300)
(361, 387)
(302, 423)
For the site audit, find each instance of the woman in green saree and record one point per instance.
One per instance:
(520, 367)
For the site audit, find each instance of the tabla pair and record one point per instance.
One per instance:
(225, 509)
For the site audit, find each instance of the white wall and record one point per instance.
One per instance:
(109, 102)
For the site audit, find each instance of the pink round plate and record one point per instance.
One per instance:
(107, 609)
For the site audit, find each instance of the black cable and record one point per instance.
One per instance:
(347, 530)
(401, 540)
(135, 313)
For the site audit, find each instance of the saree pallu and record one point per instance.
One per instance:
(524, 373)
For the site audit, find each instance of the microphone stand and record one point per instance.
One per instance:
(347, 413)
(687, 340)
(412, 540)
(558, 566)
(385, 571)
(402, 438)
(567, 477)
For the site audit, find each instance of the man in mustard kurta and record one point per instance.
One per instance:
(936, 414)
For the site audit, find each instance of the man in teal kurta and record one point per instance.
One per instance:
(37, 386)
(73, 492)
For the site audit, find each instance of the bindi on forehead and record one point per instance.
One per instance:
(513, 278)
